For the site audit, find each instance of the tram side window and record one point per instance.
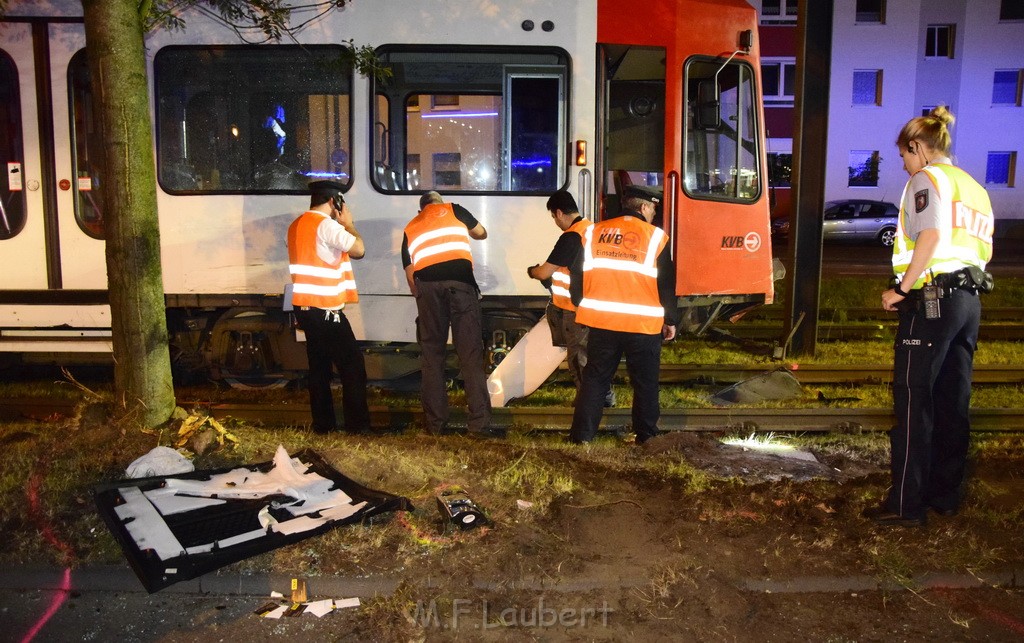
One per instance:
(12, 192)
(472, 119)
(252, 119)
(85, 128)
(722, 148)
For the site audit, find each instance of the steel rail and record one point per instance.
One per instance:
(831, 332)
(733, 420)
(712, 374)
(989, 314)
(817, 373)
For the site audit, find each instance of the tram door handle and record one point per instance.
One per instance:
(585, 194)
(671, 209)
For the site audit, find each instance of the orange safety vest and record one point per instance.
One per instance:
(436, 235)
(560, 278)
(316, 282)
(620, 276)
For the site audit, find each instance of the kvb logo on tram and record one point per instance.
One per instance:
(751, 242)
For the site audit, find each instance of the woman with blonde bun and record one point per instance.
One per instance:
(943, 242)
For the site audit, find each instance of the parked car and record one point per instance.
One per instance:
(852, 220)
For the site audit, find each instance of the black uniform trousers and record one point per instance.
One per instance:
(330, 342)
(456, 305)
(566, 333)
(932, 398)
(605, 349)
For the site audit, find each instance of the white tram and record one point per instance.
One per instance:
(493, 103)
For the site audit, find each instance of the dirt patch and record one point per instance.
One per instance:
(613, 541)
(667, 537)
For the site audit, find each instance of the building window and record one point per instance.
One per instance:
(1006, 87)
(1011, 10)
(778, 80)
(447, 170)
(864, 168)
(871, 11)
(939, 43)
(1000, 169)
(778, 11)
(780, 169)
(867, 87)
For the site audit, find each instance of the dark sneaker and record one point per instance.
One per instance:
(487, 433)
(640, 439)
(882, 516)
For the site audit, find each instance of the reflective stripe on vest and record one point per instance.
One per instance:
(436, 235)
(316, 282)
(560, 278)
(620, 276)
(965, 229)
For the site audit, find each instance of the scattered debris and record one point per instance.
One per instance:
(458, 508)
(319, 608)
(174, 528)
(300, 603)
(192, 428)
(774, 385)
(160, 461)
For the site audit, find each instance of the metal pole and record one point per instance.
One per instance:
(813, 61)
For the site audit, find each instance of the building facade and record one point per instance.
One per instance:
(895, 60)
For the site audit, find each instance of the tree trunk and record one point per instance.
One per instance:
(117, 65)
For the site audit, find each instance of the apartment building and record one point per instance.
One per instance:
(892, 61)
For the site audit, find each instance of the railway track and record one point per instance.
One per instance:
(776, 313)
(852, 374)
(855, 331)
(818, 374)
(859, 324)
(732, 420)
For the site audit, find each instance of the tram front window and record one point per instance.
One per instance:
(721, 152)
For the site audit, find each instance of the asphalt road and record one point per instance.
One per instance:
(853, 260)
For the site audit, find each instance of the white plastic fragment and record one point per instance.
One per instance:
(160, 461)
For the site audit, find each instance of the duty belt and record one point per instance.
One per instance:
(971, 279)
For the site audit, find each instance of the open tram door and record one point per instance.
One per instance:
(680, 115)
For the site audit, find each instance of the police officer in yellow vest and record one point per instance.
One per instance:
(554, 273)
(944, 240)
(628, 302)
(321, 244)
(439, 268)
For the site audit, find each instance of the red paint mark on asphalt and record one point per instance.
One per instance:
(67, 552)
(55, 603)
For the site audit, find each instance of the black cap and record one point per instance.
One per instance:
(326, 187)
(644, 192)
